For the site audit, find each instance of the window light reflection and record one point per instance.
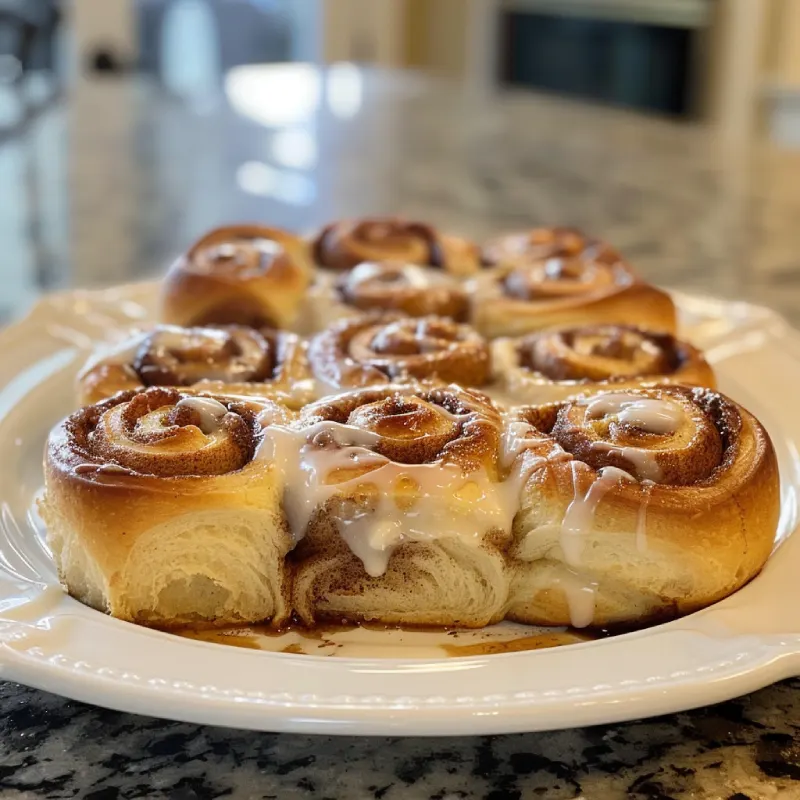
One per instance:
(274, 95)
(345, 90)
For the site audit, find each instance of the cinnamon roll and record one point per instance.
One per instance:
(345, 244)
(387, 286)
(395, 497)
(162, 509)
(240, 275)
(231, 359)
(561, 283)
(637, 505)
(552, 365)
(539, 244)
(378, 349)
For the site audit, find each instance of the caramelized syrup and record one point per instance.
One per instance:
(251, 637)
(538, 642)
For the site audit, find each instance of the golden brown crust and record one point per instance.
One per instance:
(157, 432)
(123, 476)
(551, 365)
(345, 244)
(409, 502)
(228, 359)
(380, 348)
(240, 274)
(694, 520)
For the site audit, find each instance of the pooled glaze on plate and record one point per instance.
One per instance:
(391, 642)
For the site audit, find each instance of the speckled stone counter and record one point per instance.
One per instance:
(748, 748)
(108, 186)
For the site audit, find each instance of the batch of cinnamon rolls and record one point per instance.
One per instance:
(385, 423)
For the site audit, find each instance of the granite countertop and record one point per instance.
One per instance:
(747, 748)
(109, 186)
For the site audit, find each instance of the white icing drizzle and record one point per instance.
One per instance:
(578, 520)
(515, 441)
(581, 597)
(269, 246)
(441, 501)
(578, 523)
(518, 438)
(385, 503)
(269, 415)
(415, 276)
(101, 469)
(365, 271)
(229, 250)
(552, 268)
(170, 337)
(649, 414)
(644, 461)
(211, 412)
(523, 451)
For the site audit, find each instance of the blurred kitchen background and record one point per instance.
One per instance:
(127, 127)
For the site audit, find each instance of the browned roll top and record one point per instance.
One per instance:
(604, 353)
(556, 264)
(172, 356)
(240, 251)
(672, 435)
(561, 278)
(378, 349)
(241, 274)
(345, 244)
(418, 426)
(160, 432)
(398, 286)
(541, 244)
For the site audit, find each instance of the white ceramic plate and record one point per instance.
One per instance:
(382, 682)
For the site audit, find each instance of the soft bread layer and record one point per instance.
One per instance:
(688, 548)
(444, 582)
(549, 591)
(220, 568)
